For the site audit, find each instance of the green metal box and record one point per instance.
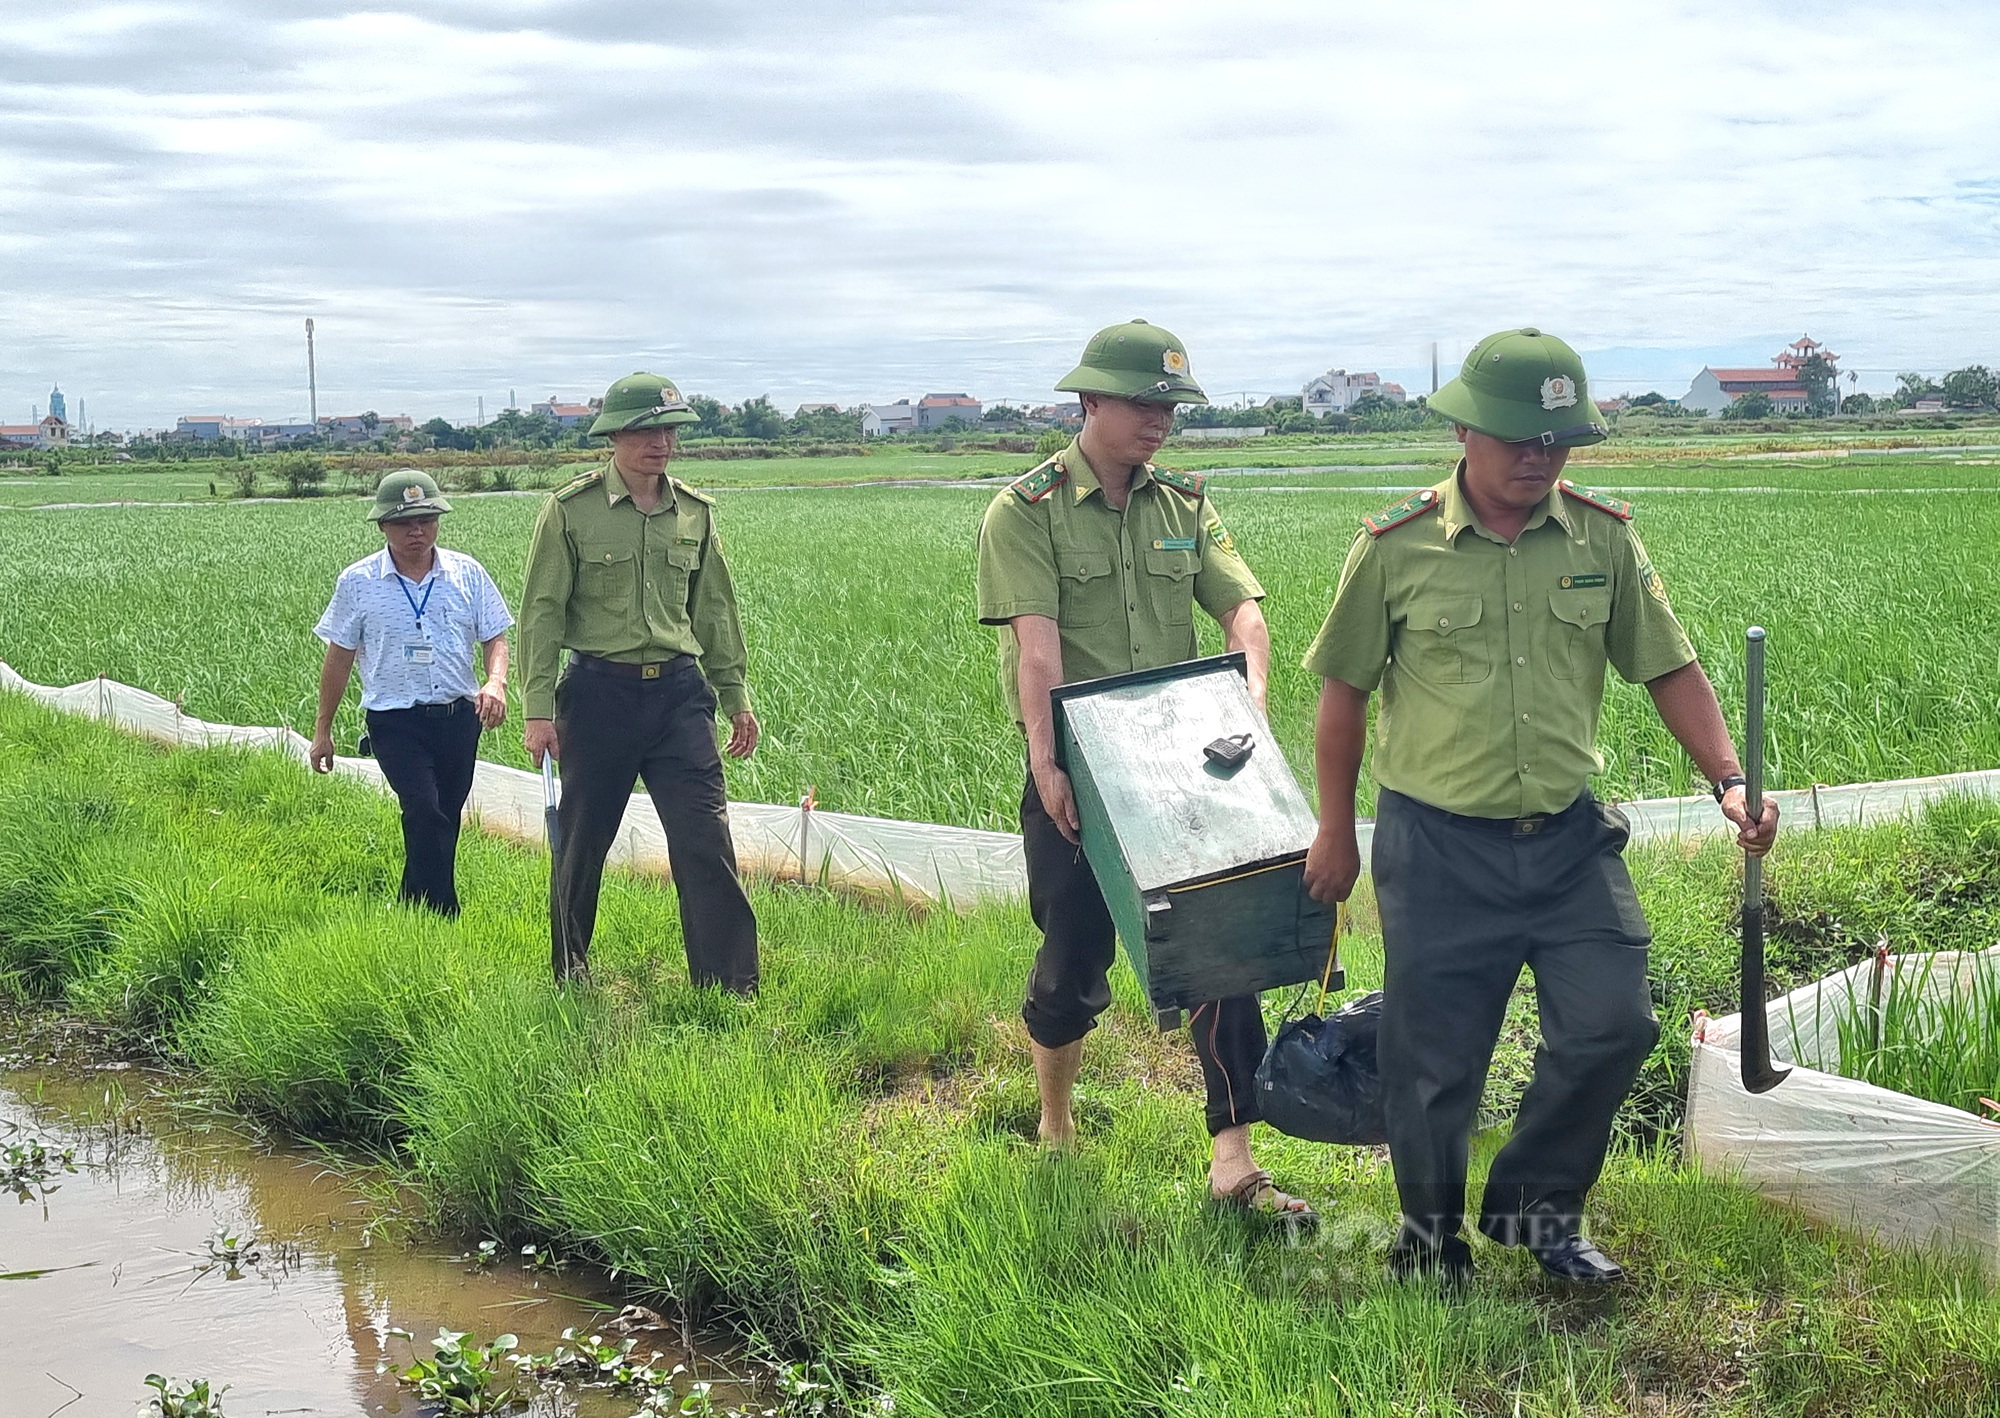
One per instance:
(1203, 867)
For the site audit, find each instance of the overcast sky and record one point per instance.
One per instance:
(864, 201)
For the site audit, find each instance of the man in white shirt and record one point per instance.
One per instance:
(409, 616)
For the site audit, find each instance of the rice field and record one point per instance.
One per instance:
(878, 689)
(841, 1169)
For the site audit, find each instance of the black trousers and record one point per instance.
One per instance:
(1069, 986)
(612, 732)
(427, 754)
(1465, 904)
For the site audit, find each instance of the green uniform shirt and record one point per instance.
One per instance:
(609, 580)
(1121, 586)
(1491, 657)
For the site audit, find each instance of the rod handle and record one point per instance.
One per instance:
(1753, 721)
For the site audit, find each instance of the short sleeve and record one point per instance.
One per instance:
(494, 617)
(1353, 644)
(340, 624)
(1644, 639)
(1225, 580)
(1017, 564)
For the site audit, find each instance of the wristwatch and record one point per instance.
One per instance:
(1733, 780)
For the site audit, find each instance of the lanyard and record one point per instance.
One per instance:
(417, 607)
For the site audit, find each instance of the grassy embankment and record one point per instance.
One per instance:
(877, 686)
(840, 1168)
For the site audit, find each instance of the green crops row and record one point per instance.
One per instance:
(841, 1169)
(1932, 1031)
(877, 687)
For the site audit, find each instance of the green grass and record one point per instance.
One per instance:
(1933, 1032)
(877, 687)
(840, 1169)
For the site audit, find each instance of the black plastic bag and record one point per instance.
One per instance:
(1320, 1079)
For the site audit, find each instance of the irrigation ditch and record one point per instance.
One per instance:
(158, 1235)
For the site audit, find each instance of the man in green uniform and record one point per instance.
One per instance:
(1091, 565)
(1486, 608)
(626, 571)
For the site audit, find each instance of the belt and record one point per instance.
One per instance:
(430, 711)
(1529, 826)
(623, 669)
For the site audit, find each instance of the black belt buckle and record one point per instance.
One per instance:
(1529, 826)
(649, 671)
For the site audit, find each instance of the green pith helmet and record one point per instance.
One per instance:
(641, 401)
(1522, 385)
(404, 494)
(1135, 361)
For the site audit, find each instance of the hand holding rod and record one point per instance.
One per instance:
(1758, 1074)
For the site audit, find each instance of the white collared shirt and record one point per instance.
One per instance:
(373, 612)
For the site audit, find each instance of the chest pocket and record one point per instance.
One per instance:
(1087, 591)
(1443, 640)
(1576, 632)
(606, 574)
(1170, 585)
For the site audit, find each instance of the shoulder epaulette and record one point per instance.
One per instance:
(696, 493)
(1397, 513)
(578, 483)
(1617, 507)
(1189, 483)
(1038, 483)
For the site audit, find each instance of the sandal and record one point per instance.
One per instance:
(1258, 1195)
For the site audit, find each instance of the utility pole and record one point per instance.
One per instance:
(312, 377)
(1434, 366)
(512, 402)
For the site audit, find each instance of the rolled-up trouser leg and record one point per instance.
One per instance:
(682, 769)
(600, 745)
(1451, 957)
(1068, 987)
(1229, 1040)
(1589, 961)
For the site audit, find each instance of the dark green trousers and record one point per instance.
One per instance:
(615, 730)
(1466, 903)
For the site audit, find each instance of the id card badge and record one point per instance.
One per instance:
(417, 652)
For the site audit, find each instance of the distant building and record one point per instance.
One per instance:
(206, 428)
(354, 428)
(1336, 391)
(1714, 390)
(1930, 405)
(1063, 415)
(58, 408)
(50, 432)
(1208, 435)
(805, 409)
(270, 435)
(937, 410)
(881, 420)
(565, 415)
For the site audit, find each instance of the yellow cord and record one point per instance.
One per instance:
(1332, 957)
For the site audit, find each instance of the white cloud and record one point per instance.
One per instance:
(825, 200)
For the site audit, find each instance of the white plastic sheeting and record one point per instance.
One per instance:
(916, 862)
(1900, 1170)
(913, 862)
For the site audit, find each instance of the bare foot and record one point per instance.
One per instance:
(1060, 1138)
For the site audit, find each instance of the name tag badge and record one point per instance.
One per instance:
(418, 652)
(1174, 544)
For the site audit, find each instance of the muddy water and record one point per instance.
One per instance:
(132, 1284)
